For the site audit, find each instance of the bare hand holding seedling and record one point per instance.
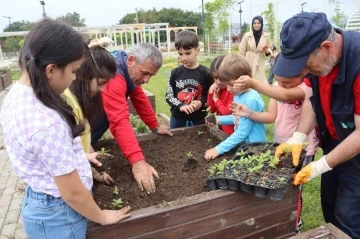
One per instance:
(188, 109)
(144, 176)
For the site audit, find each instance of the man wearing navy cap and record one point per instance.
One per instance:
(309, 44)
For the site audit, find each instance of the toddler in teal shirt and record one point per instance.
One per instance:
(246, 130)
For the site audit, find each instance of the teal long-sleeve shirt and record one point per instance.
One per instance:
(247, 130)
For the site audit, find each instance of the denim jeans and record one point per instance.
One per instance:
(179, 123)
(47, 217)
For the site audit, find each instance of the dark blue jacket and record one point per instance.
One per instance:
(120, 59)
(342, 100)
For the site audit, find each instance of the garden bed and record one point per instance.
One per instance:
(183, 207)
(327, 231)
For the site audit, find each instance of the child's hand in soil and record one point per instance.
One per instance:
(91, 157)
(239, 109)
(164, 130)
(213, 88)
(243, 83)
(188, 109)
(211, 154)
(103, 178)
(144, 175)
(114, 216)
(197, 104)
(211, 124)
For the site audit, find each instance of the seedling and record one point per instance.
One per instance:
(141, 127)
(213, 170)
(116, 190)
(241, 153)
(235, 173)
(208, 140)
(104, 151)
(282, 179)
(189, 154)
(255, 169)
(199, 132)
(273, 161)
(287, 149)
(117, 203)
(134, 120)
(210, 117)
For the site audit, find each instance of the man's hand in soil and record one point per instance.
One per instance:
(114, 216)
(311, 171)
(293, 145)
(197, 104)
(211, 154)
(239, 109)
(144, 176)
(243, 83)
(164, 130)
(188, 109)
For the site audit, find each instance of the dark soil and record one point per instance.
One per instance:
(211, 118)
(190, 164)
(167, 155)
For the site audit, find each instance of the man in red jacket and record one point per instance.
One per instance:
(133, 70)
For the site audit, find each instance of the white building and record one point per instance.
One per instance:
(353, 23)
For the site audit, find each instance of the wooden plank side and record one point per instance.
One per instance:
(152, 219)
(328, 230)
(275, 231)
(222, 219)
(249, 226)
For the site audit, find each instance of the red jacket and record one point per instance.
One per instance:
(117, 111)
(221, 107)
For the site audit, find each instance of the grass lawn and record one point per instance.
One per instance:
(311, 212)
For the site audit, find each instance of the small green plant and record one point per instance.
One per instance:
(241, 153)
(134, 120)
(199, 132)
(235, 173)
(189, 154)
(141, 127)
(104, 151)
(273, 161)
(208, 140)
(255, 169)
(117, 203)
(287, 149)
(116, 190)
(282, 179)
(213, 169)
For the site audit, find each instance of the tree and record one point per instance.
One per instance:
(19, 26)
(73, 19)
(216, 14)
(339, 15)
(269, 16)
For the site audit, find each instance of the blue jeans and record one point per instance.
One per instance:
(45, 217)
(179, 123)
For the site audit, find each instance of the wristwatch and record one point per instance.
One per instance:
(155, 130)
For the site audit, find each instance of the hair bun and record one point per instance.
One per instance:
(103, 42)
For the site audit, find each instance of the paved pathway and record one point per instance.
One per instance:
(11, 194)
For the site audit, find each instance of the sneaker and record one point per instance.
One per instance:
(298, 227)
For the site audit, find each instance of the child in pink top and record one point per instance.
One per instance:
(284, 108)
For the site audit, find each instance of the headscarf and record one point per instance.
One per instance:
(257, 34)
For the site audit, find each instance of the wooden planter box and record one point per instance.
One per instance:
(217, 214)
(6, 79)
(328, 231)
(151, 98)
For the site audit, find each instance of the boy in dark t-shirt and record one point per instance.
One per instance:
(188, 84)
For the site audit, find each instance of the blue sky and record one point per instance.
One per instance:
(109, 12)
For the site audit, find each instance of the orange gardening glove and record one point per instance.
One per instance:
(295, 149)
(293, 145)
(311, 171)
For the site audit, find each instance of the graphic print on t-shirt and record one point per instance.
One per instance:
(297, 104)
(190, 90)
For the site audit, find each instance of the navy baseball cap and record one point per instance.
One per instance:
(300, 35)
